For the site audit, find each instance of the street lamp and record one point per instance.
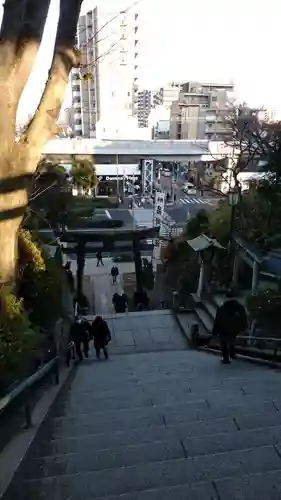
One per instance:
(233, 200)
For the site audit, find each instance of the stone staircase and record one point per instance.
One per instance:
(206, 309)
(157, 426)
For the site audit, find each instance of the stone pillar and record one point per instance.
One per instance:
(138, 265)
(255, 276)
(235, 271)
(80, 268)
(201, 281)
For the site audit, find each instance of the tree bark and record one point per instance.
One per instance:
(20, 36)
(12, 208)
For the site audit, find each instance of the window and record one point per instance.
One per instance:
(78, 121)
(76, 88)
(214, 98)
(76, 99)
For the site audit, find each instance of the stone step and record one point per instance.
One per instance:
(151, 399)
(158, 417)
(134, 415)
(46, 447)
(89, 461)
(141, 477)
(211, 308)
(205, 318)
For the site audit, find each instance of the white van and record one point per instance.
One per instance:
(166, 172)
(189, 188)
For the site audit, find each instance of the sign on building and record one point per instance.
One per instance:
(159, 208)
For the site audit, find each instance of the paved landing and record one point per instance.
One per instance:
(143, 331)
(158, 426)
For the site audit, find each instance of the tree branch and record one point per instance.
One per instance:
(43, 124)
(20, 37)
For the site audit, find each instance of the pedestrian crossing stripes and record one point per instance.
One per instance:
(200, 201)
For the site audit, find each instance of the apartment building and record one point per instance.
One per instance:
(104, 88)
(147, 100)
(85, 83)
(170, 93)
(200, 111)
(118, 66)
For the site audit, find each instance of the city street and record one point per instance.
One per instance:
(185, 205)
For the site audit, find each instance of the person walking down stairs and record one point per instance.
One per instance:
(80, 334)
(99, 258)
(230, 321)
(101, 335)
(114, 273)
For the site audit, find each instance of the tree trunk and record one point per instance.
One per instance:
(21, 32)
(12, 208)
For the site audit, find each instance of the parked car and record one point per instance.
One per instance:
(189, 188)
(167, 172)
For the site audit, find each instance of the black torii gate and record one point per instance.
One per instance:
(107, 240)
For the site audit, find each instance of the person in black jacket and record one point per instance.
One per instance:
(80, 334)
(230, 321)
(99, 258)
(101, 335)
(114, 273)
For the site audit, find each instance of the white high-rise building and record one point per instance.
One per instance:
(104, 89)
(118, 68)
(85, 80)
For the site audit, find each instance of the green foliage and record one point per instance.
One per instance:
(219, 222)
(197, 225)
(182, 267)
(49, 196)
(34, 306)
(40, 283)
(188, 278)
(17, 339)
(265, 308)
(83, 174)
(29, 252)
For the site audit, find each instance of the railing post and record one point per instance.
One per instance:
(194, 333)
(57, 372)
(175, 300)
(27, 411)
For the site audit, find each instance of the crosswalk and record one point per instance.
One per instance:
(194, 200)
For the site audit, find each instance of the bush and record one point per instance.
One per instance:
(17, 338)
(41, 282)
(265, 308)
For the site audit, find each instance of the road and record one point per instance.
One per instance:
(186, 206)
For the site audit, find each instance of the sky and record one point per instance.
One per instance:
(210, 40)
